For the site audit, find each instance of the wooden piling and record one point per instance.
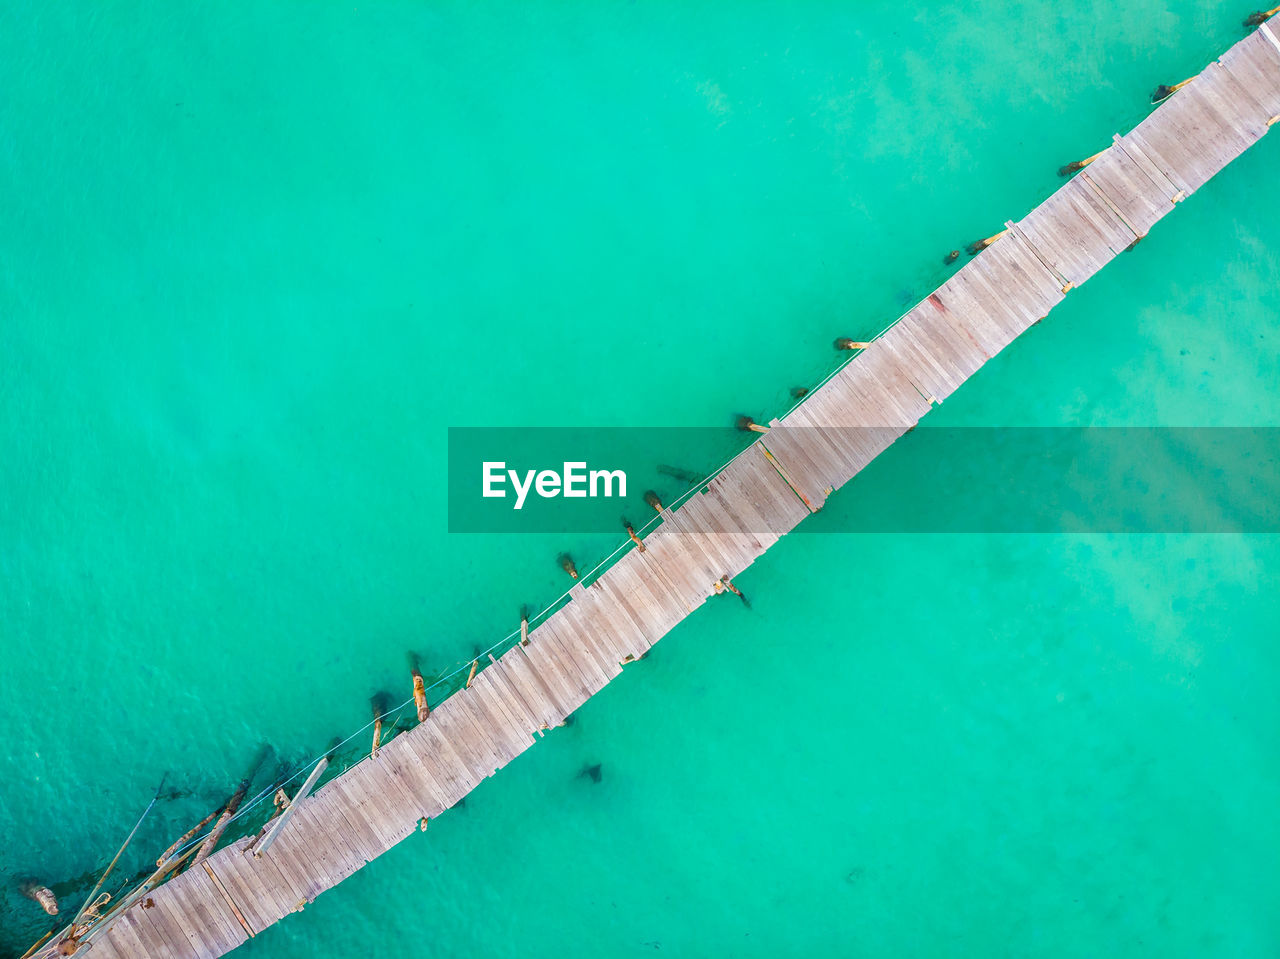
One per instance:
(844, 343)
(186, 837)
(220, 826)
(420, 696)
(1163, 92)
(471, 677)
(1259, 17)
(631, 534)
(1071, 168)
(43, 896)
(976, 247)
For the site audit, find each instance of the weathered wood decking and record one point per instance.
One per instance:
(209, 910)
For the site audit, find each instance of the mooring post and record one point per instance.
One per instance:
(1258, 18)
(224, 820)
(748, 425)
(1071, 168)
(566, 564)
(844, 343)
(43, 895)
(420, 695)
(377, 731)
(631, 533)
(283, 819)
(977, 246)
(524, 625)
(186, 837)
(475, 663)
(651, 498)
(1163, 92)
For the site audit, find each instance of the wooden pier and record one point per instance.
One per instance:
(785, 475)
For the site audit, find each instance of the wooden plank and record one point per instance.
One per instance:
(469, 736)
(493, 720)
(724, 551)
(611, 629)
(571, 651)
(1255, 65)
(183, 932)
(1189, 140)
(1075, 233)
(258, 889)
(533, 689)
(155, 942)
(1232, 101)
(198, 899)
(333, 822)
(571, 690)
(318, 853)
(421, 776)
(229, 899)
(589, 632)
(435, 750)
(490, 686)
(366, 794)
(536, 710)
(567, 693)
(104, 947)
(1121, 183)
(633, 638)
(122, 935)
(759, 485)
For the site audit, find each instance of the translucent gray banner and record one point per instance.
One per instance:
(932, 480)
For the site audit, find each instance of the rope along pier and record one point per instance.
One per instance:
(717, 530)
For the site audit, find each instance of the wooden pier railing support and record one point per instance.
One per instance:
(282, 820)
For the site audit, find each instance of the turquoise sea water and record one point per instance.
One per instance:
(256, 258)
